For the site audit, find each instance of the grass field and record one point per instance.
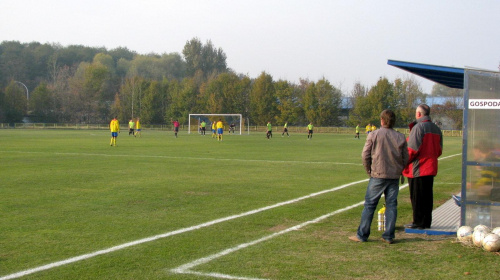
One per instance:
(160, 207)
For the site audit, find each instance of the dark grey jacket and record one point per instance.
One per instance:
(385, 153)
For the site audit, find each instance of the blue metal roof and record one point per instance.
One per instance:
(449, 76)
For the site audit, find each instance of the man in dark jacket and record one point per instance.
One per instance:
(384, 155)
(425, 145)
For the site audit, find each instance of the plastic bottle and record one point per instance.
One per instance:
(381, 219)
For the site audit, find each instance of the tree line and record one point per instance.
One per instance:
(84, 84)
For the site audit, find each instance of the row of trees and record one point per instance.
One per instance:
(90, 85)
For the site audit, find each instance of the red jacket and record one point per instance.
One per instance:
(425, 145)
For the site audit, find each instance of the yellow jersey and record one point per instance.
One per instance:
(114, 125)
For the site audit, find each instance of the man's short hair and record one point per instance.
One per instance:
(389, 118)
(424, 109)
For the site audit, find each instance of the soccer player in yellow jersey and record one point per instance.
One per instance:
(131, 125)
(203, 127)
(114, 126)
(220, 130)
(138, 128)
(214, 129)
(368, 128)
(373, 128)
(269, 133)
(285, 130)
(310, 128)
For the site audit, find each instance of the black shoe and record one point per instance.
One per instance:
(388, 241)
(457, 200)
(414, 226)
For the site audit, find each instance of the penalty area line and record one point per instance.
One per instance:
(179, 231)
(168, 234)
(188, 268)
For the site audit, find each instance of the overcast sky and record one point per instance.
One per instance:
(342, 41)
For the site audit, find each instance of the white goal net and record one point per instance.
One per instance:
(233, 123)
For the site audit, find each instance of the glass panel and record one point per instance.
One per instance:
(483, 148)
(495, 216)
(479, 215)
(483, 183)
(483, 124)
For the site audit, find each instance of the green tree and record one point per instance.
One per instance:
(322, 103)
(173, 65)
(153, 103)
(42, 104)
(62, 96)
(15, 103)
(73, 55)
(121, 53)
(2, 106)
(288, 107)
(450, 110)
(224, 94)
(356, 113)
(380, 97)
(91, 89)
(367, 107)
(105, 60)
(122, 67)
(12, 63)
(117, 109)
(442, 90)
(263, 100)
(183, 98)
(39, 57)
(131, 93)
(205, 59)
(410, 95)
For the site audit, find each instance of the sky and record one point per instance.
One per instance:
(344, 41)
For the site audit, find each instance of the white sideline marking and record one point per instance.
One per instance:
(183, 230)
(175, 232)
(192, 158)
(187, 268)
(446, 157)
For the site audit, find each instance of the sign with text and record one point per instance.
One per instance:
(484, 103)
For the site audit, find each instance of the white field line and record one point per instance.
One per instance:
(188, 158)
(171, 233)
(187, 268)
(179, 231)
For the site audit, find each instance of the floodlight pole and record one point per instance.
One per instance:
(27, 94)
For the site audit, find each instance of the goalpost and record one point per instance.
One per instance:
(201, 117)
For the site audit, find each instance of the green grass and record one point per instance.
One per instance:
(65, 193)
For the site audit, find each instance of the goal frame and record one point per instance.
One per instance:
(221, 115)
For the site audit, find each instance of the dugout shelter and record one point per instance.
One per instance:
(480, 190)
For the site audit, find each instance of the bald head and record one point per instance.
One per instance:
(422, 110)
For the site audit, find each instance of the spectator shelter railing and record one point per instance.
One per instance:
(480, 192)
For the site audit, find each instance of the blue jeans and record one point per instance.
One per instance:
(377, 187)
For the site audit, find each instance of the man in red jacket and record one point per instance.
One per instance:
(425, 145)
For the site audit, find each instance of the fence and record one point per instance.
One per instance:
(263, 129)
(340, 130)
(77, 126)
